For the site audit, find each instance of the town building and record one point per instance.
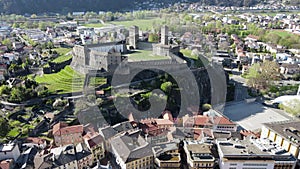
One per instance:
(220, 123)
(64, 134)
(285, 134)
(166, 156)
(253, 153)
(9, 151)
(199, 155)
(132, 151)
(95, 143)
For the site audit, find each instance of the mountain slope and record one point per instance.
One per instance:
(65, 6)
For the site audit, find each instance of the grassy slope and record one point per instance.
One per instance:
(66, 81)
(62, 52)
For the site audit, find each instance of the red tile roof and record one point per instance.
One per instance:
(6, 164)
(202, 120)
(207, 121)
(63, 129)
(95, 140)
(223, 121)
(35, 140)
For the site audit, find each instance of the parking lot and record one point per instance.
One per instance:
(251, 115)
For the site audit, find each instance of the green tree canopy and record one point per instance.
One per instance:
(166, 87)
(261, 75)
(4, 127)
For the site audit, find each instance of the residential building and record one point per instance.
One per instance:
(64, 135)
(155, 126)
(286, 68)
(199, 155)
(285, 134)
(216, 123)
(166, 156)
(9, 151)
(132, 151)
(108, 133)
(95, 143)
(35, 141)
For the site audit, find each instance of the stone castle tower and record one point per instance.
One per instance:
(164, 35)
(133, 36)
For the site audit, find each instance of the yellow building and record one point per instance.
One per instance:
(286, 134)
(132, 151)
(199, 155)
(166, 156)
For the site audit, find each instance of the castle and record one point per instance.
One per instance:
(107, 56)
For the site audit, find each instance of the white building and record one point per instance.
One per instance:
(253, 153)
(9, 151)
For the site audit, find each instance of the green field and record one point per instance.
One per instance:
(94, 25)
(62, 55)
(143, 24)
(282, 33)
(144, 55)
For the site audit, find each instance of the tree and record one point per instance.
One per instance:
(99, 101)
(166, 87)
(153, 37)
(261, 75)
(4, 127)
(7, 43)
(4, 90)
(206, 107)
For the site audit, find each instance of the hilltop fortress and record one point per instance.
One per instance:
(107, 56)
(136, 56)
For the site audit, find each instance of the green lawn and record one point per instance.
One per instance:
(188, 53)
(94, 25)
(198, 62)
(65, 81)
(62, 58)
(144, 55)
(143, 24)
(282, 33)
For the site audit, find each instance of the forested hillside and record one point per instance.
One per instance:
(65, 6)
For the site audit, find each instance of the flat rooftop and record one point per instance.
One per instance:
(251, 148)
(145, 55)
(289, 130)
(7, 147)
(200, 152)
(252, 115)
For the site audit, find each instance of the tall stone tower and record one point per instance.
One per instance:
(133, 36)
(164, 35)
